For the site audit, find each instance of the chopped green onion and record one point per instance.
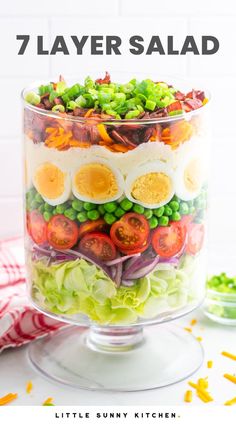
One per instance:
(150, 105)
(32, 98)
(58, 108)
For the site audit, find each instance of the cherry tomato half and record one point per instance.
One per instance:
(98, 245)
(88, 227)
(196, 234)
(168, 241)
(62, 233)
(130, 232)
(37, 227)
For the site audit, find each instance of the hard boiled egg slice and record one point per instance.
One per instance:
(97, 181)
(150, 185)
(189, 177)
(52, 183)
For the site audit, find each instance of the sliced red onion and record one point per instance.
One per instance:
(127, 283)
(141, 269)
(119, 271)
(171, 261)
(121, 259)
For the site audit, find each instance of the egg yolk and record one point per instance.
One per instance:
(96, 181)
(193, 175)
(49, 181)
(152, 188)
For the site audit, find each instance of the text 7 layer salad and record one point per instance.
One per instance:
(115, 181)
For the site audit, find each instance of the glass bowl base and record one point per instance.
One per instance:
(125, 359)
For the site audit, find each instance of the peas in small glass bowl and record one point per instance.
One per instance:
(220, 302)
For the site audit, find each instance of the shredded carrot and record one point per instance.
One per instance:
(230, 377)
(193, 322)
(188, 329)
(209, 364)
(29, 387)
(229, 355)
(230, 402)
(48, 401)
(199, 339)
(8, 398)
(188, 396)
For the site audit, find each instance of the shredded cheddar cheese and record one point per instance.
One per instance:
(230, 402)
(229, 355)
(203, 383)
(193, 322)
(201, 391)
(29, 387)
(8, 398)
(209, 364)
(230, 377)
(48, 402)
(188, 396)
(199, 339)
(188, 329)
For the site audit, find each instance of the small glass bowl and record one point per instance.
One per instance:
(220, 307)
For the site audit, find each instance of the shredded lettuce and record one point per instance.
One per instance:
(79, 287)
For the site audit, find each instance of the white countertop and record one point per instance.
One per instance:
(15, 371)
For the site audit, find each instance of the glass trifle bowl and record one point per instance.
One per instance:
(115, 208)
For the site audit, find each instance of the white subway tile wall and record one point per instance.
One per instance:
(123, 18)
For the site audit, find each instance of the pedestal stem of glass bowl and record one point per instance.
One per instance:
(103, 339)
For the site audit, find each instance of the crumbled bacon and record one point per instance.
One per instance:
(105, 80)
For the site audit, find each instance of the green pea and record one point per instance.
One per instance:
(31, 193)
(148, 213)
(163, 221)
(138, 209)
(174, 205)
(77, 205)
(41, 209)
(70, 213)
(34, 205)
(54, 212)
(47, 215)
(159, 211)
(153, 222)
(39, 198)
(175, 216)
(110, 207)
(175, 199)
(93, 215)
(48, 208)
(82, 217)
(184, 209)
(61, 208)
(126, 204)
(119, 212)
(168, 211)
(89, 206)
(109, 218)
(101, 209)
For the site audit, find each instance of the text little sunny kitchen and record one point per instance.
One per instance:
(114, 415)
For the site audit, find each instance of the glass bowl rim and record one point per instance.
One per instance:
(221, 294)
(165, 119)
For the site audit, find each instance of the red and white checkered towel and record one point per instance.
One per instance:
(19, 321)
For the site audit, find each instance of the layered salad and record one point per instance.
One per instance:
(115, 199)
